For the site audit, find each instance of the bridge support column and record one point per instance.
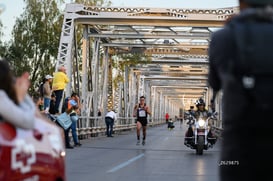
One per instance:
(85, 62)
(95, 76)
(105, 86)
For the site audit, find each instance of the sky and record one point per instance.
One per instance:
(13, 8)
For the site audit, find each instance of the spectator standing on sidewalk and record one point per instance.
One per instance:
(47, 92)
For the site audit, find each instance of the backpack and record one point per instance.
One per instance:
(253, 66)
(41, 89)
(65, 104)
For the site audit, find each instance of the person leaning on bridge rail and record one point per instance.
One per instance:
(110, 118)
(16, 106)
(240, 63)
(60, 79)
(74, 103)
(141, 112)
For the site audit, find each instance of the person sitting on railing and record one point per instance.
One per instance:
(74, 104)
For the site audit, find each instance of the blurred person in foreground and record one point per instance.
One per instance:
(241, 64)
(16, 106)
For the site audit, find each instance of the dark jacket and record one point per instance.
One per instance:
(204, 114)
(245, 148)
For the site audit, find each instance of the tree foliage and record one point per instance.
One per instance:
(36, 37)
(127, 60)
(35, 40)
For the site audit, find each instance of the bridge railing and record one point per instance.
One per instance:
(94, 126)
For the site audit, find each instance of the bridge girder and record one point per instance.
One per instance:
(169, 36)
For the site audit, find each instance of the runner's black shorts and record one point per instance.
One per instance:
(143, 122)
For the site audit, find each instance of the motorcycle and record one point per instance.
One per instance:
(198, 137)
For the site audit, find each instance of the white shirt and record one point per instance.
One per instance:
(111, 114)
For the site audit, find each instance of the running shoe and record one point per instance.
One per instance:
(143, 142)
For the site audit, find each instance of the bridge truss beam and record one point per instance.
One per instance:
(171, 37)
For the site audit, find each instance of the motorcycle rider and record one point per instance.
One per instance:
(203, 113)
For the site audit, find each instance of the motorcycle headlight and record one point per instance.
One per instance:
(201, 123)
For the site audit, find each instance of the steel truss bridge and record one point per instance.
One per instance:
(175, 40)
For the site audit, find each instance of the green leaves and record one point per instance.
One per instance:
(35, 41)
(36, 36)
(121, 61)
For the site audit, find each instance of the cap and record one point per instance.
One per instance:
(48, 77)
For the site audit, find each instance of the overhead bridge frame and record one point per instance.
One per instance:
(169, 36)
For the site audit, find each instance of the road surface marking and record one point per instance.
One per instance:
(124, 164)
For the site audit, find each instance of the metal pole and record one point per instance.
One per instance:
(85, 58)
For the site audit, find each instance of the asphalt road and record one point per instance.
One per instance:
(163, 158)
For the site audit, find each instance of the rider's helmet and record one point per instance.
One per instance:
(200, 102)
(259, 2)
